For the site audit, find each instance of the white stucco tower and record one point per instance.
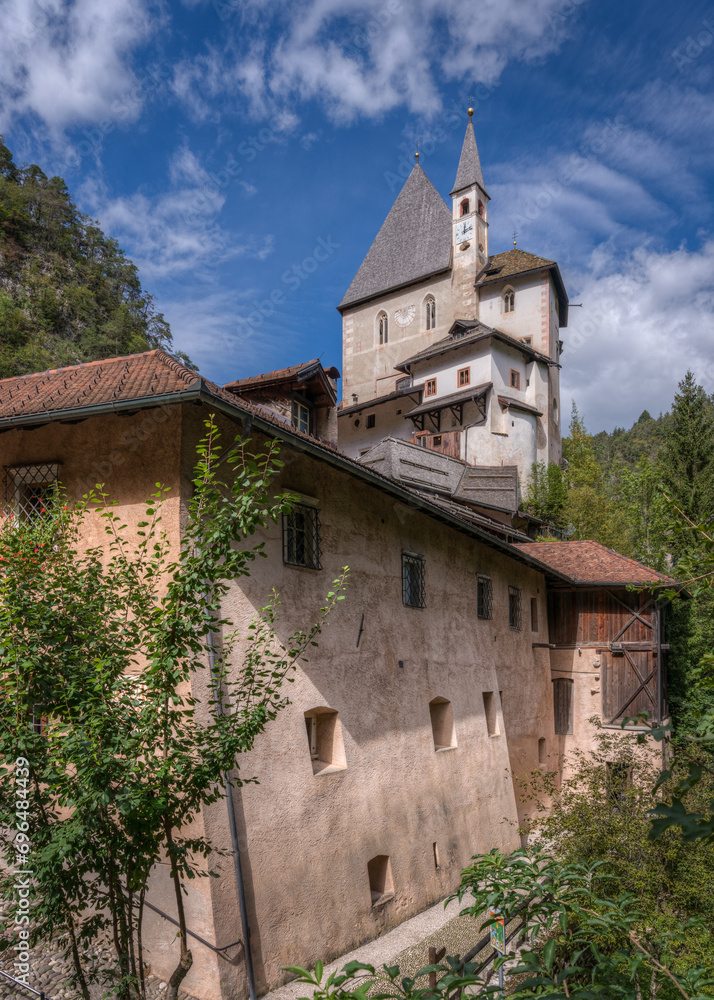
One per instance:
(427, 281)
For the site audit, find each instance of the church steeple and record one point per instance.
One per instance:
(469, 172)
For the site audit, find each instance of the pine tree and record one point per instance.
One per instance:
(687, 459)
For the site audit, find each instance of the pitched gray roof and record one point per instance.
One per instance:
(469, 171)
(490, 486)
(413, 243)
(414, 466)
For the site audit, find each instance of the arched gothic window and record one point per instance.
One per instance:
(465, 206)
(509, 300)
(430, 306)
(383, 322)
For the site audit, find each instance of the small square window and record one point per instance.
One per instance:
(430, 387)
(301, 537)
(301, 416)
(514, 607)
(463, 376)
(515, 379)
(484, 597)
(371, 417)
(413, 591)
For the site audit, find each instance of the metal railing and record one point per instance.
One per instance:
(18, 982)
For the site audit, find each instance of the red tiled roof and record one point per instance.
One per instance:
(513, 262)
(590, 562)
(134, 376)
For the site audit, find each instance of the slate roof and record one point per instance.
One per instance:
(587, 562)
(419, 467)
(490, 487)
(152, 374)
(413, 243)
(469, 171)
(476, 332)
(518, 404)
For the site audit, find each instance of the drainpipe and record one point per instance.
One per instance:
(245, 926)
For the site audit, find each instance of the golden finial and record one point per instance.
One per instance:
(416, 155)
(471, 112)
(515, 237)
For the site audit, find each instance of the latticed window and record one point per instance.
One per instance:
(514, 607)
(383, 328)
(301, 537)
(430, 313)
(29, 490)
(413, 589)
(484, 597)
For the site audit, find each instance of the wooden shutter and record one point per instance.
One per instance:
(563, 705)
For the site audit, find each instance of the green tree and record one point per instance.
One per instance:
(111, 647)
(687, 458)
(68, 293)
(546, 496)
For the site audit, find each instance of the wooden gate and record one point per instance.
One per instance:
(631, 664)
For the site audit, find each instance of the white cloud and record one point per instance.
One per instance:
(178, 230)
(644, 322)
(69, 62)
(361, 58)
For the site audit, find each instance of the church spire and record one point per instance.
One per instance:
(469, 172)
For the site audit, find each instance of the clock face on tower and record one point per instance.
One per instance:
(464, 231)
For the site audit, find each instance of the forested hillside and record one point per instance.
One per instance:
(68, 293)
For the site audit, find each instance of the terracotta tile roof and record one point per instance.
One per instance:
(134, 376)
(590, 562)
(512, 262)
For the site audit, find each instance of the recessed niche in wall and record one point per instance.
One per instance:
(436, 855)
(541, 750)
(381, 885)
(489, 705)
(324, 736)
(442, 724)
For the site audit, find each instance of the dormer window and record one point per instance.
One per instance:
(480, 208)
(509, 300)
(383, 322)
(403, 383)
(430, 305)
(465, 207)
(301, 416)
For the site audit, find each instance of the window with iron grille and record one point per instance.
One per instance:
(413, 591)
(301, 537)
(29, 490)
(484, 597)
(514, 607)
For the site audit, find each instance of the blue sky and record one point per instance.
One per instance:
(245, 153)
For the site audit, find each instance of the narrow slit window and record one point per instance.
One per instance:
(541, 750)
(430, 387)
(381, 884)
(435, 848)
(534, 614)
(413, 582)
(484, 597)
(563, 705)
(490, 710)
(465, 206)
(442, 724)
(383, 328)
(301, 537)
(463, 377)
(514, 607)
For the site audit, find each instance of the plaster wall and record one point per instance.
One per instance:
(309, 837)
(531, 316)
(389, 421)
(445, 368)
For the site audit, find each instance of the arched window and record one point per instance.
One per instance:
(430, 306)
(480, 208)
(383, 323)
(465, 206)
(442, 724)
(509, 300)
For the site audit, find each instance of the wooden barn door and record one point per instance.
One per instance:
(629, 684)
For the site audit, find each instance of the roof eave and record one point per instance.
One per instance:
(343, 306)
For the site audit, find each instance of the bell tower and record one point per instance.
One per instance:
(469, 225)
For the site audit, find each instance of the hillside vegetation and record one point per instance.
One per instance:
(68, 293)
